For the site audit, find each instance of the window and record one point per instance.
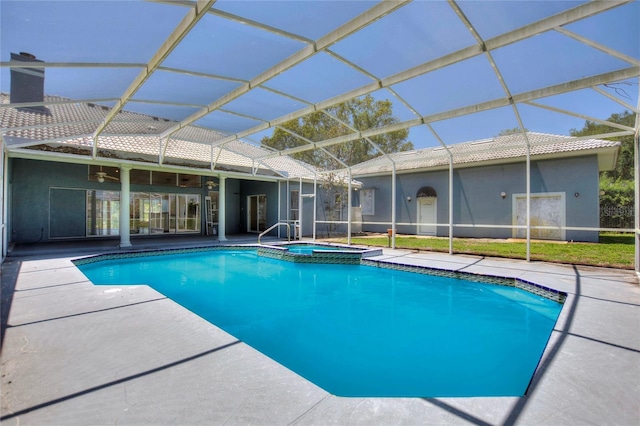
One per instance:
(156, 213)
(256, 213)
(149, 213)
(139, 212)
(163, 179)
(109, 174)
(140, 177)
(103, 213)
(189, 181)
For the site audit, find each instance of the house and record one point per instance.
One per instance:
(58, 190)
(66, 180)
(479, 189)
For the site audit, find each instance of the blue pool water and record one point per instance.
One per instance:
(358, 330)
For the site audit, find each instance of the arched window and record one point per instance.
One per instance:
(426, 191)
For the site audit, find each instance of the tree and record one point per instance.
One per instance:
(514, 131)
(361, 114)
(616, 203)
(616, 186)
(624, 167)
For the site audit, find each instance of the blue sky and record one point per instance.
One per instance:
(131, 31)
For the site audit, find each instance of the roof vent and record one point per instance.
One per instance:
(27, 84)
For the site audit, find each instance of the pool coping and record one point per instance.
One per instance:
(74, 353)
(350, 257)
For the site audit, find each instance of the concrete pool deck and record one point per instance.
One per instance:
(75, 353)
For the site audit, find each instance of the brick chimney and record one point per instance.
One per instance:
(27, 84)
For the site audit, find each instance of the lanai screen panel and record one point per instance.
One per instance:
(213, 73)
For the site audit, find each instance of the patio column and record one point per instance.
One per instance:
(222, 214)
(125, 237)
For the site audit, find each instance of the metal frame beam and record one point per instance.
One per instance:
(547, 24)
(520, 98)
(194, 15)
(324, 42)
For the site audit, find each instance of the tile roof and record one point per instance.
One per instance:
(67, 125)
(136, 137)
(503, 148)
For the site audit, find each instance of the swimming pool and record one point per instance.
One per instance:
(358, 330)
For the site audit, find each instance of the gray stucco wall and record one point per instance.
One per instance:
(30, 188)
(477, 199)
(31, 182)
(30, 203)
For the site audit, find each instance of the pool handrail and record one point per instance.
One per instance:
(274, 226)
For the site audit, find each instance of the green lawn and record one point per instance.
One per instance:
(613, 250)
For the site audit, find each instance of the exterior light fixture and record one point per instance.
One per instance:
(503, 195)
(409, 199)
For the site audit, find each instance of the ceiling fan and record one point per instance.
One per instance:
(211, 184)
(101, 176)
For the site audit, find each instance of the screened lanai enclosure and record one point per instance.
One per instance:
(180, 106)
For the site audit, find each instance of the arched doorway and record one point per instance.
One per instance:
(427, 205)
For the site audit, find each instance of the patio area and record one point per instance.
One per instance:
(75, 353)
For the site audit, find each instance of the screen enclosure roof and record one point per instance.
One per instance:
(199, 84)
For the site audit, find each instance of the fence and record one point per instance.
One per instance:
(617, 217)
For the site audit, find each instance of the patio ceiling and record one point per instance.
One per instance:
(199, 83)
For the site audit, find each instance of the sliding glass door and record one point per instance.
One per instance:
(103, 213)
(256, 213)
(150, 213)
(188, 212)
